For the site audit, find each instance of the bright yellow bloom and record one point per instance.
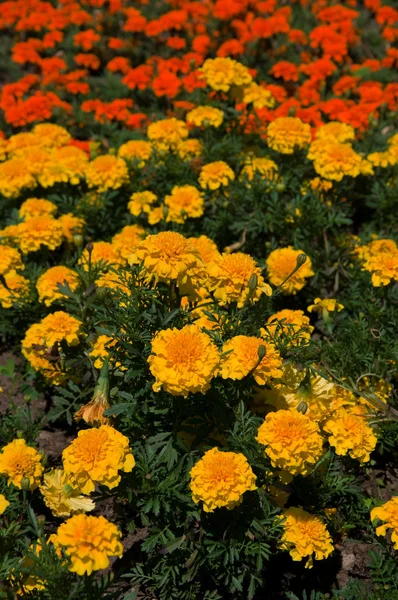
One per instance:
(138, 150)
(206, 247)
(285, 134)
(39, 231)
(220, 479)
(106, 173)
(237, 278)
(47, 284)
(3, 504)
(215, 174)
(141, 202)
(189, 149)
(381, 159)
(325, 305)
(67, 164)
(103, 254)
(89, 542)
(21, 464)
(167, 135)
(383, 266)
(71, 226)
(292, 441)
(114, 281)
(334, 131)
(125, 241)
(20, 142)
(388, 513)
(10, 260)
(242, 355)
(51, 135)
(350, 433)
(15, 177)
(61, 497)
(262, 166)
(292, 324)
(305, 536)
(15, 290)
(206, 116)
(281, 262)
(37, 207)
(60, 326)
(333, 160)
(97, 456)
(100, 349)
(183, 361)
(184, 201)
(258, 96)
(222, 73)
(167, 256)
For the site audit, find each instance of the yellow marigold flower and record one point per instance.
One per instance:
(15, 177)
(60, 326)
(383, 266)
(305, 536)
(325, 305)
(183, 202)
(282, 262)
(97, 456)
(220, 479)
(125, 241)
(167, 135)
(37, 207)
(388, 513)
(10, 259)
(89, 542)
(9, 235)
(333, 160)
(206, 247)
(206, 116)
(61, 497)
(100, 349)
(21, 141)
(350, 433)
(71, 226)
(38, 354)
(156, 215)
(47, 284)
(285, 134)
(222, 73)
(292, 441)
(15, 290)
(39, 231)
(21, 464)
(320, 185)
(114, 281)
(258, 96)
(3, 504)
(141, 202)
(381, 159)
(72, 163)
(242, 355)
(183, 361)
(167, 256)
(102, 254)
(106, 173)
(236, 278)
(293, 324)
(262, 166)
(138, 150)
(215, 174)
(51, 135)
(189, 149)
(334, 131)
(51, 171)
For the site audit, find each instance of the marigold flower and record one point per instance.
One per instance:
(37, 207)
(350, 433)
(47, 284)
(325, 305)
(293, 324)
(183, 361)
(106, 173)
(388, 513)
(242, 355)
(183, 202)
(220, 479)
(236, 278)
(167, 256)
(282, 262)
(3, 504)
(285, 134)
(141, 202)
(167, 135)
(21, 464)
(39, 231)
(215, 174)
(89, 542)
(221, 73)
(62, 498)
(10, 259)
(68, 164)
(305, 536)
(206, 247)
(100, 351)
(15, 290)
(138, 150)
(51, 135)
(383, 265)
(205, 116)
(101, 254)
(71, 226)
(15, 176)
(333, 160)
(114, 281)
(292, 441)
(334, 131)
(189, 149)
(262, 166)
(258, 96)
(97, 456)
(125, 241)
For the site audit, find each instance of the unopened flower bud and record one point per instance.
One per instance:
(78, 240)
(262, 351)
(25, 483)
(89, 247)
(253, 281)
(302, 407)
(301, 259)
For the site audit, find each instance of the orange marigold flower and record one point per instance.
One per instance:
(285, 134)
(10, 259)
(36, 207)
(48, 283)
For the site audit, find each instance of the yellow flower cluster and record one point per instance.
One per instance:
(21, 464)
(215, 174)
(350, 434)
(47, 284)
(243, 355)
(285, 134)
(281, 264)
(291, 324)
(305, 536)
(223, 73)
(388, 513)
(97, 456)
(205, 116)
(220, 479)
